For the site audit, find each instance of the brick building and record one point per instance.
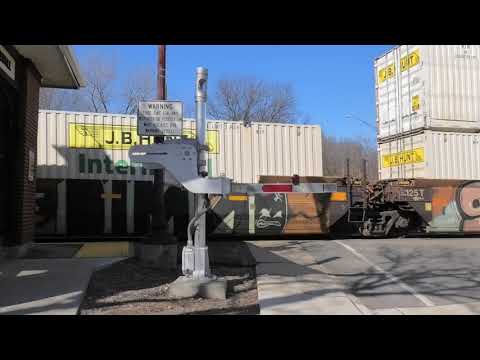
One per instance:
(23, 70)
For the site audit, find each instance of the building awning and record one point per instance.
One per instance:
(56, 64)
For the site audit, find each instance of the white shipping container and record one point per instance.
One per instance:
(77, 145)
(431, 155)
(433, 87)
(246, 153)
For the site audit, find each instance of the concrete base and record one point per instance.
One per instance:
(160, 256)
(185, 287)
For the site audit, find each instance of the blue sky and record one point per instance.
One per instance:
(329, 81)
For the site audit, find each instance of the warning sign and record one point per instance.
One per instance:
(160, 118)
(404, 157)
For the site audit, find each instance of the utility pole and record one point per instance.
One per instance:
(159, 225)
(161, 72)
(161, 250)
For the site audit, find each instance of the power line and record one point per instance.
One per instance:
(350, 116)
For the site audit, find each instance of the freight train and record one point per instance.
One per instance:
(389, 208)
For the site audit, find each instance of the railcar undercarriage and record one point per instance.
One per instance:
(375, 211)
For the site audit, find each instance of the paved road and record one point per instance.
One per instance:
(387, 276)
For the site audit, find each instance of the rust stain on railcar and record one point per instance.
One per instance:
(307, 213)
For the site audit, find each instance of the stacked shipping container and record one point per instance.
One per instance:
(428, 106)
(87, 184)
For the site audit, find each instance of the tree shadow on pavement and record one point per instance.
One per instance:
(442, 274)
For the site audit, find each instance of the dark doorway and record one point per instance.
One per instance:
(85, 207)
(119, 207)
(46, 205)
(176, 206)
(143, 206)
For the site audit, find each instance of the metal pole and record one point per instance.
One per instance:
(364, 171)
(202, 266)
(347, 176)
(201, 115)
(201, 106)
(159, 225)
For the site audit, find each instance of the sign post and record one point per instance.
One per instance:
(186, 159)
(159, 119)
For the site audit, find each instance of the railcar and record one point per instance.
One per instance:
(383, 209)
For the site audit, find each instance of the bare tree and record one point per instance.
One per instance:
(139, 86)
(59, 99)
(100, 75)
(104, 91)
(303, 118)
(336, 151)
(97, 96)
(249, 99)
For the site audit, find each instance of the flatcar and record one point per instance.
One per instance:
(384, 209)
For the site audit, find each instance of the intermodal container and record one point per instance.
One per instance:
(431, 155)
(95, 146)
(435, 87)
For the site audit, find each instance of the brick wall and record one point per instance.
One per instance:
(25, 140)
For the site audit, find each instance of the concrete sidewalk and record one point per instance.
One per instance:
(289, 282)
(46, 286)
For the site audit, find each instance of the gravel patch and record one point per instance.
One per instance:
(129, 288)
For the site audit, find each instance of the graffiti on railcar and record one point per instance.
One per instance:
(228, 216)
(456, 208)
(468, 200)
(273, 213)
